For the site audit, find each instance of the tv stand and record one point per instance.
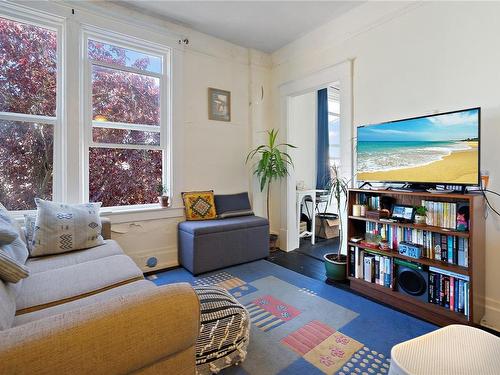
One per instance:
(413, 188)
(365, 184)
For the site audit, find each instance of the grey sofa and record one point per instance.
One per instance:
(91, 312)
(212, 244)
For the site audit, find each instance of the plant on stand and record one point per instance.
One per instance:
(272, 166)
(163, 197)
(335, 263)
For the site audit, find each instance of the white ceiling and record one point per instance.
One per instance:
(263, 25)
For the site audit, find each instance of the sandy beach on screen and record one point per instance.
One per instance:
(458, 167)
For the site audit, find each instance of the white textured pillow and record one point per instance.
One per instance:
(63, 227)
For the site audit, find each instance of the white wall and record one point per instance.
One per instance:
(206, 154)
(302, 134)
(413, 59)
(212, 153)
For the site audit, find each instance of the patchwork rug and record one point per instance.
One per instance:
(304, 326)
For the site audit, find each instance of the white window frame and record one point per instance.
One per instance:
(57, 24)
(165, 126)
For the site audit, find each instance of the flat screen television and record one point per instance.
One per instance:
(426, 150)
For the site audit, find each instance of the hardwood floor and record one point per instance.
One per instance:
(308, 259)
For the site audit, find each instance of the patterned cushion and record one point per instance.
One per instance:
(11, 270)
(15, 249)
(199, 205)
(224, 331)
(63, 227)
(29, 229)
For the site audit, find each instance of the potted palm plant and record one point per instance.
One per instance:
(336, 263)
(163, 197)
(272, 165)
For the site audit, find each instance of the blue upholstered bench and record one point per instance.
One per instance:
(212, 244)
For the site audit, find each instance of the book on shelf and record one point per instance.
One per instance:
(449, 289)
(369, 269)
(372, 202)
(444, 214)
(372, 268)
(352, 262)
(436, 246)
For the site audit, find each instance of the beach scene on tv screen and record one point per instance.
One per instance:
(434, 149)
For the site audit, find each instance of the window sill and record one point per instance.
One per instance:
(125, 214)
(140, 213)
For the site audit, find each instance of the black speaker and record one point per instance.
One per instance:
(412, 279)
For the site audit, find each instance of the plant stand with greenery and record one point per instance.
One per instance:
(272, 166)
(336, 263)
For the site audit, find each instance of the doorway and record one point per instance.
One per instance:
(337, 77)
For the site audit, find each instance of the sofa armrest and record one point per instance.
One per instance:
(106, 228)
(118, 336)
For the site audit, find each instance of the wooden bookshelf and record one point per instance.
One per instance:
(356, 226)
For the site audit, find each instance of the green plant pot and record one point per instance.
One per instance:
(335, 269)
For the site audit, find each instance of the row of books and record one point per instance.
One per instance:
(445, 288)
(372, 268)
(449, 290)
(446, 248)
(444, 214)
(440, 214)
(373, 202)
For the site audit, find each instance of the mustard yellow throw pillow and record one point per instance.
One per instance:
(199, 205)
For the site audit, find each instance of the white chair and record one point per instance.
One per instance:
(452, 350)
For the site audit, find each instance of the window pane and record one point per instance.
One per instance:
(26, 163)
(334, 132)
(120, 96)
(123, 136)
(119, 177)
(335, 162)
(28, 69)
(334, 152)
(111, 54)
(334, 107)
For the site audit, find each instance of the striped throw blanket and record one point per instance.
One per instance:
(224, 332)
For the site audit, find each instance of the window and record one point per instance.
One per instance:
(127, 120)
(334, 124)
(29, 112)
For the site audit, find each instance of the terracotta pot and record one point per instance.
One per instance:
(164, 201)
(336, 269)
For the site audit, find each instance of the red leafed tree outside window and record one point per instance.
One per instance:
(125, 111)
(125, 158)
(28, 72)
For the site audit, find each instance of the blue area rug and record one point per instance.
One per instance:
(304, 326)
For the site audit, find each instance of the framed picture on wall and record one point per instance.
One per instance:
(219, 104)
